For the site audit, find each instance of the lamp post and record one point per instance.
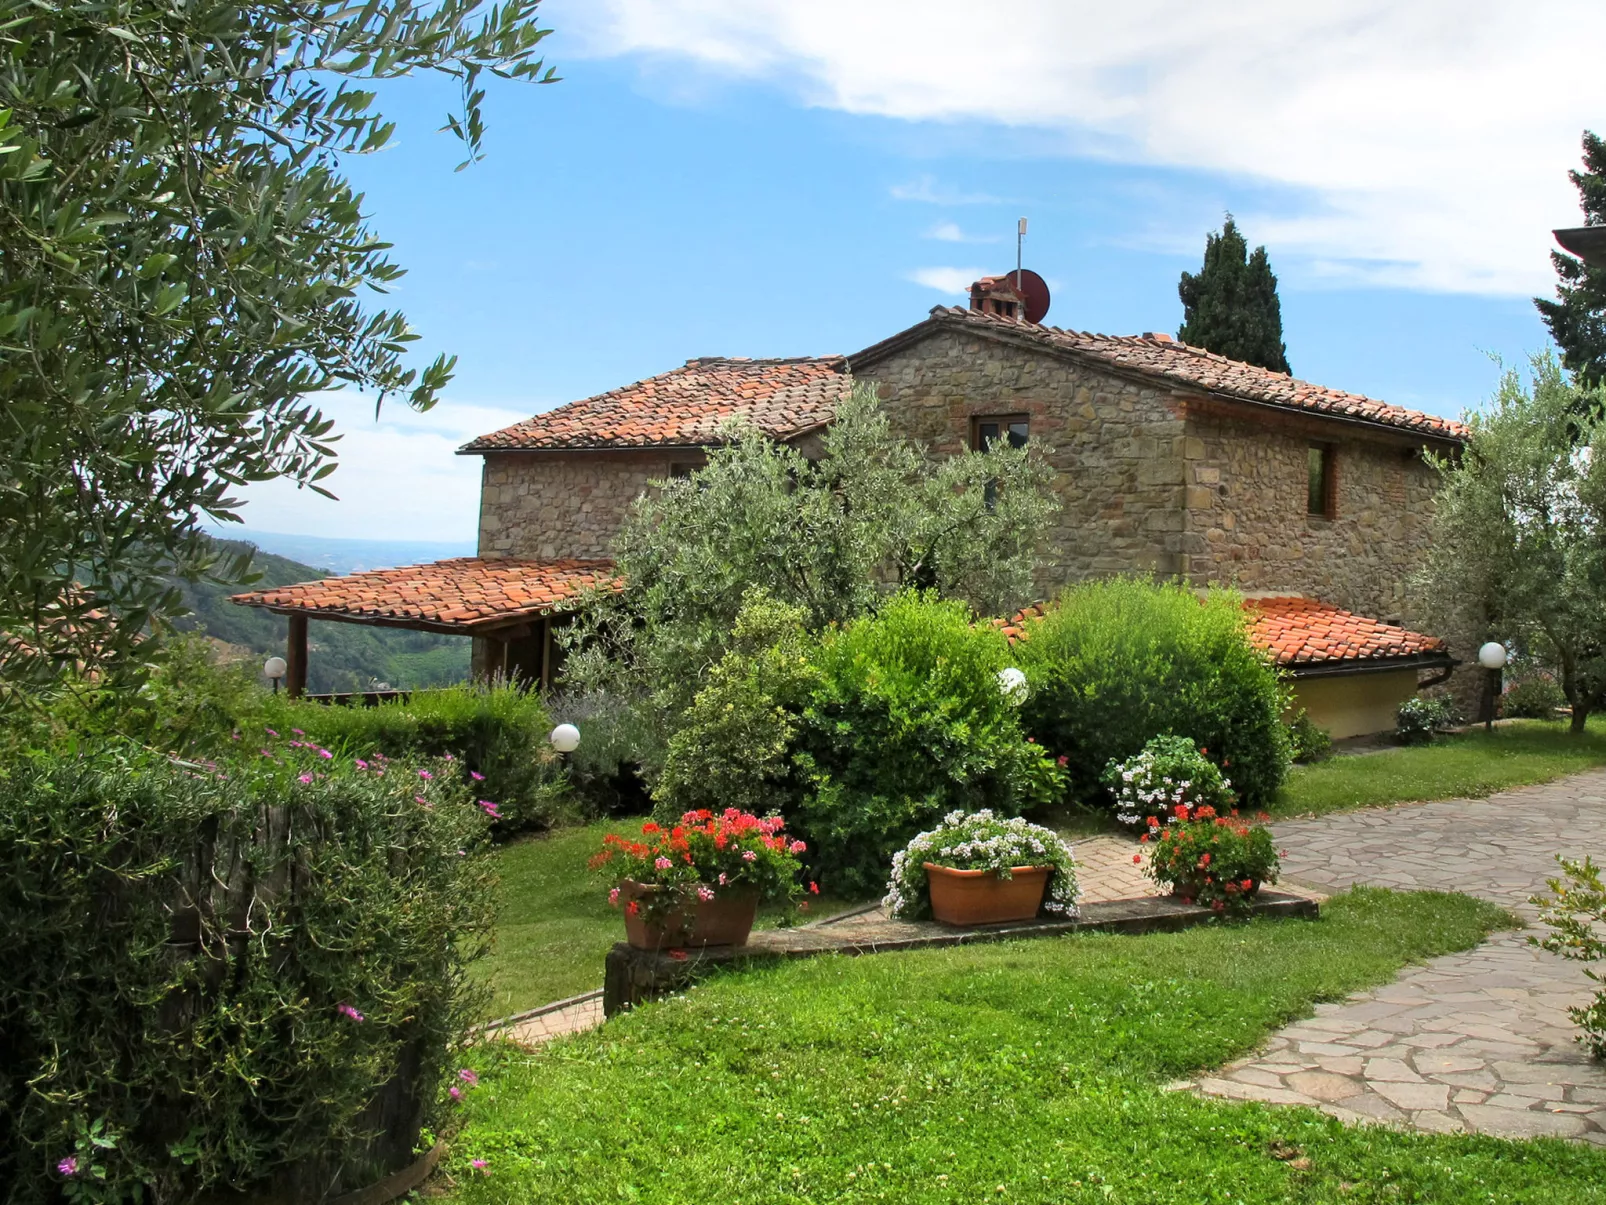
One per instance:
(1492, 656)
(565, 738)
(274, 667)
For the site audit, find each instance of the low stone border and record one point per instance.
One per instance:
(530, 1014)
(634, 976)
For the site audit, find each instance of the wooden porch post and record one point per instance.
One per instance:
(546, 652)
(295, 657)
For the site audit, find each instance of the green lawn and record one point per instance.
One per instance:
(554, 925)
(1033, 1071)
(1475, 763)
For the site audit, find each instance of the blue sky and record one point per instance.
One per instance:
(753, 178)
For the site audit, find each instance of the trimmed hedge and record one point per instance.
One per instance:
(1119, 661)
(250, 977)
(497, 730)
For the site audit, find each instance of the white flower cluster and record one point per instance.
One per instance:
(1145, 791)
(980, 841)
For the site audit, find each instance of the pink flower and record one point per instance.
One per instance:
(722, 879)
(455, 1092)
(324, 753)
(480, 1166)
(298, 732)
(749, 856)
(613, 897)
(476, 776)
(304, 778)
(490, 809)
(425, 774)
(468, 1077)
(234, 736)
(361, 765)
(662, 863)
(270, 732)
(797, 847)
(422, 800)
(704, 892)
(345, 1010)
(68, 1166)
(448, 757)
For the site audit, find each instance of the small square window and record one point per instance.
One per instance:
(985, 432)
(1319, 495)
(681, 470)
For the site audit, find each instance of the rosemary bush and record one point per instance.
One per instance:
(248, 976)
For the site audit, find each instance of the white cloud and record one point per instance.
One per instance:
(399, 477)
(948, 280)
(925, 190)
(949, 232)
(1424, 142)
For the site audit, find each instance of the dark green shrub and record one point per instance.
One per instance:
(1308, 742)
(251, 978)
(734, 746)
(1117, 662)
(1419, 718)
(496, 730)
(906, 723)
(1535, 698)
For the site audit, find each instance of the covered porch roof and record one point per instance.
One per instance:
(501, 598)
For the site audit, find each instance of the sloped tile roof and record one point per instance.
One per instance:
(686, 406)
(464, 592)
(1305, 631)
(1298, 632)
(1165, 360)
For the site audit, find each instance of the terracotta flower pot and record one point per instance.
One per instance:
(980, 897)
(725, 920)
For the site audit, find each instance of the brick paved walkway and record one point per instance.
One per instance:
(1476, 1041)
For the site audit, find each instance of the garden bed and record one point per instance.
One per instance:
(634, 976)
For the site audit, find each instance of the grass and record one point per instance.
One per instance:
(554, 925)
(1033, 1071)
(1469, 764)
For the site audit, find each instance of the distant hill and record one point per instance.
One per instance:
(340, 656)
(333, 555)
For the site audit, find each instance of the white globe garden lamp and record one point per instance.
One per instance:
(1012, 685)
(275, 668)
(565, 738)
(1492, 657)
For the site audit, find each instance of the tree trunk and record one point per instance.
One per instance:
(1580, 714)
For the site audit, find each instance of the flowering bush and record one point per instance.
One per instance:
(980, 841)
(1419, 718)
(247, 975)
(1169, 773)
(701, 857)
(1219, 861)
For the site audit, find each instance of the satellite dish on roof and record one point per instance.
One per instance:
(1034, 292)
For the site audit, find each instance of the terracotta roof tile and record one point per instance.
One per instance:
(1298, 632)
(1164, 359)
(686, 406)
(466, 592)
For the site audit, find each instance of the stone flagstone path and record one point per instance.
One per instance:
(1478, 1041)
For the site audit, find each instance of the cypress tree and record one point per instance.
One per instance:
(1231, 306)
(1577, 318)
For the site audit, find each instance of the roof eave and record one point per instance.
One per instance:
(1368, 665)
(942, 318)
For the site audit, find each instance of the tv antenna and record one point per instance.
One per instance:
(1020, 238)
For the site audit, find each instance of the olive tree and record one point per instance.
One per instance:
(1519, 533)
(182, 265)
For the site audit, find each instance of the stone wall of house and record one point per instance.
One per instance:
(1116, 446)
(1246, 510)
(562, 505)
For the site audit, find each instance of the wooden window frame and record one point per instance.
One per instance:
(1003, 421)
(1329, 453)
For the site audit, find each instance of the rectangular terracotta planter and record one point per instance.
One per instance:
(980, 897)
(725, 920)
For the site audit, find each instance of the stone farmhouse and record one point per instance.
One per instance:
(1168, 460)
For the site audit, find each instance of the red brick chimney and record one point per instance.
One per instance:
(997, 295)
